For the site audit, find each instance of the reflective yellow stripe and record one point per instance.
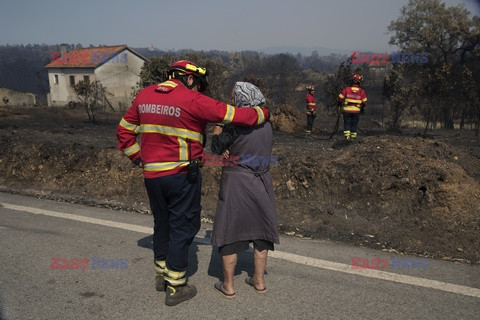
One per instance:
(129, 126)
(175, 274)
(312, 104)
(159, 270)
(163, 166)
(353, 101)
(229, 114)
(172, 131)
(191, 67)
(173, 290)
(364, 100)
(182, 149)
(160, 266)
(160, 263)
(351, 108)
(261, 116)
(132, 149)
(341, 96)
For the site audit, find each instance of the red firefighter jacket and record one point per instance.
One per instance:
(171, 120)
(311, 105)
(353, 99)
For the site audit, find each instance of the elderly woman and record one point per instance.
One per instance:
(246, 202)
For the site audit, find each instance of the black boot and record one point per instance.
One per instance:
(160, 282)
(175, 295)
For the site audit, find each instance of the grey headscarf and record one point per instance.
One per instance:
(247, 95)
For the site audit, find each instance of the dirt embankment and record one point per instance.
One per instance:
(403, 193)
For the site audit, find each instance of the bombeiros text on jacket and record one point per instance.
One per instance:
(159, 109)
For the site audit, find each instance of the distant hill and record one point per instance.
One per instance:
(305, 51)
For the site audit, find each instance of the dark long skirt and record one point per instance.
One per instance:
(246, 201)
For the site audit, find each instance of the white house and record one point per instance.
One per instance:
(117, 68)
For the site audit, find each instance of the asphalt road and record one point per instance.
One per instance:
(306, 279)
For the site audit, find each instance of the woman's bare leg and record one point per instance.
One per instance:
(260, 263)
(228, 263)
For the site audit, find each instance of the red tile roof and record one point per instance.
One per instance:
(85, 57)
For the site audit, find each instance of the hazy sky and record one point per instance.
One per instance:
(205, 24)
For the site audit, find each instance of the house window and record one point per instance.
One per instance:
(86, 78)
(72, 80)
(55, 79)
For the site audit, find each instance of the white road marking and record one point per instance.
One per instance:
(377, 274)
(108, 223)
(308, 261)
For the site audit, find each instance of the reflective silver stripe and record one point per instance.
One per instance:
(163, 166)
(132, 149)
(229, 114)
(176, 282)
(172, 131)
(182, 149)
(175, 274)
(261, 116)
(129, 126)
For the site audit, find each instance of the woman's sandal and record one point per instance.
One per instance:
(248, 281)
(218, 286)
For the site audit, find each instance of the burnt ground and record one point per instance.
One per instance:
(398, 192)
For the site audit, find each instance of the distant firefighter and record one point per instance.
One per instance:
(351, 102)
(311, 109)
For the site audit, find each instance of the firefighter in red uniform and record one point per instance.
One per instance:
(352, 101)
(311, 109)
(171, 118)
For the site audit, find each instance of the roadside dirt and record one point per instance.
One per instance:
(403, 192)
